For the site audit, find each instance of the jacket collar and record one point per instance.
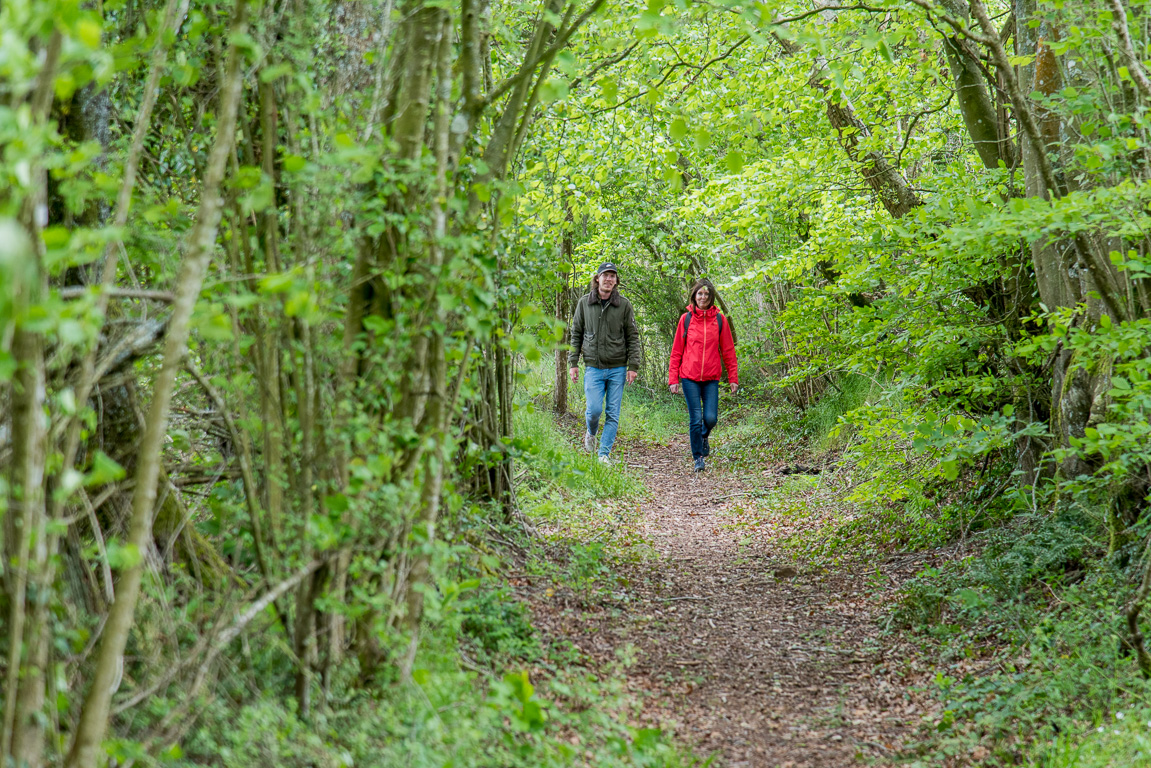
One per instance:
(696, 312)
(614, 299)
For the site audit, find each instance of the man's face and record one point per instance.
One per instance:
(607, 281)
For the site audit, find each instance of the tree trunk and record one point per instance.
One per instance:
(975, 104)
(25, 538)
(93, 721)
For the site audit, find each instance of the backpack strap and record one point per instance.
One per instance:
(687, 320)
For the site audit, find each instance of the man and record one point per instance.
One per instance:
(603, 330)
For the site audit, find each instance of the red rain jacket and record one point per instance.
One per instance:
(699, 359)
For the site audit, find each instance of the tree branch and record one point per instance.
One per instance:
(816, 11)
(1134, 66)
(528, 67)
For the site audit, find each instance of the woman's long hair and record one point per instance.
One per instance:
(713, 299)
(703, 282)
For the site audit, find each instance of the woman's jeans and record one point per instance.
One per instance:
(600, 384)
(702, 411)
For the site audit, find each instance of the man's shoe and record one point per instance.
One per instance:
(588, 442)
(699, 467)
(706, 448)
(604, 460)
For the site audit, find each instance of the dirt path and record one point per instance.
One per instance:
(746, 657)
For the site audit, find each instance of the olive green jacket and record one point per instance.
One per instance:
(604, 332)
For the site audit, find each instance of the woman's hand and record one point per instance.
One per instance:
(734, 387)
(673, 388)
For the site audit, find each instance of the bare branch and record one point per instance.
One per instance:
(1134, 66)
(678, 65)
(529, 66)
(76, 291)
(815, 12)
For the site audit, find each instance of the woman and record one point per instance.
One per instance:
(703, 340)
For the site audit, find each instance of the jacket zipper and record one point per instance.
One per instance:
(599, 326)
(703, 355)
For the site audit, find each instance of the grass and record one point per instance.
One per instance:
(821, 420)
(1123, 739)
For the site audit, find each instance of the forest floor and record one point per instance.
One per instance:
(742, 652)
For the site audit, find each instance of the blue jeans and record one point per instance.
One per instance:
(601, 384)
(702, 411)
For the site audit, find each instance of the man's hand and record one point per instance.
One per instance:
(673, 388)
(734, 387)
(575, 374)
(632, 376)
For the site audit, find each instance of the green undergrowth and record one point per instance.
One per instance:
(1034, 666)
(822, 420)
(488, 688)
(1027, 630)
(1122, 739)
(855, 487)
(758, 428)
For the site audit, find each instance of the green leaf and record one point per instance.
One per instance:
(336, 502)
(122, 556)
(274, 72)
(278, 282)
(88, 33)
(56, 237)
(678, 129)
(555, 89)
(609, 88)
(104, 470)
(734, 161)
(885, 51)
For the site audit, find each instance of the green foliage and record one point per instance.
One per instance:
(1033, 660)
(499, 625)
(1124, 738)
(823, 420)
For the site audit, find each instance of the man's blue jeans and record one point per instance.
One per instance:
(600, 384)
(702, 411)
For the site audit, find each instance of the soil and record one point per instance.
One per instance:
(746, 656)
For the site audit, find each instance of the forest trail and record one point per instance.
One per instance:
(747, 656)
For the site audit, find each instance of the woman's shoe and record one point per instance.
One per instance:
(699, 467)
(588, 442)
(706, 448)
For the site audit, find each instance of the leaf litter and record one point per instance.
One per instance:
(733, 646)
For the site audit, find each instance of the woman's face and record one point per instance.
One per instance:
(703, 297)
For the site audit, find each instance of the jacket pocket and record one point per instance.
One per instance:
(615, 349)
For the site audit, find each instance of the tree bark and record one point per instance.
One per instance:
(26, 556)
(975, 103)
(564, 315)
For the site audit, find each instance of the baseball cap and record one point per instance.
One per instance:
(607, 266)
